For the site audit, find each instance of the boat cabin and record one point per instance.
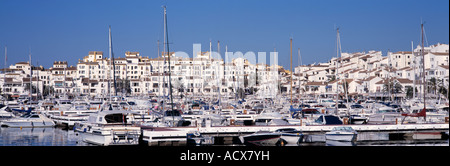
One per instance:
(110, 117)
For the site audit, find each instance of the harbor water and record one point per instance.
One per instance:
(63, 137)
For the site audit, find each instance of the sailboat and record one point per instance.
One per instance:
(423, 112)
(109, 127)
(170, 117)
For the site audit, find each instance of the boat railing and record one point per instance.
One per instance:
(125, 136)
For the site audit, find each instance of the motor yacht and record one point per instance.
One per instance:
(29, 120)
(111, 127)
(5, 112)
(280, 137)
(341, 133)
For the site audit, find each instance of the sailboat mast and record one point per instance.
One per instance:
(299, 86)
(109, 68)
(4, 69)
(168, 57)
(31, 78)
(423, 71)
(159, 70)
(291, 70)
(414, 69)
(112, 62)
(337, 67)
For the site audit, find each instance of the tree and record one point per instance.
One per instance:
(397, 88)
(47, 90)
(443, 91)
(393, 87)
(409, 92)
(345, 85)
(432, 85)
(27, 88)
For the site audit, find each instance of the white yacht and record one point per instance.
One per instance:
(29, 120)
(109, 128)
(69, 120)
(5, 112)
(385, 115)
(268, 117)
(341, 133)
(280, 137)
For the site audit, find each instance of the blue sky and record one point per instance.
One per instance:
(66, 30)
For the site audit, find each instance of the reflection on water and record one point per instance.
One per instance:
(60, 137)
(371, 139)
(39, 137)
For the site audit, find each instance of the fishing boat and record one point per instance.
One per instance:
(109, 128)
(341, 133)
(29, 120)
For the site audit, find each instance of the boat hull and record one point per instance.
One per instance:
(292, 138)
(340, 136)
(28, 124)
(269, 139)
(112, 137)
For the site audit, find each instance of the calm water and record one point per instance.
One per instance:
(39, 137)
(60, 137)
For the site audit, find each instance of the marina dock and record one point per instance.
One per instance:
(224, 135)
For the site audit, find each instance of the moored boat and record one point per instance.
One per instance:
(29, 120)
(341, 133)
(109, 128)
(261, 138)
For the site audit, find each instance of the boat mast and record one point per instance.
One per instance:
(168, 58)
(338, 47)
(109, 69)
(299, 86)
(291, 70)
(4, 70)
(423, 71)
(31, 78)
(414, 69)
(159, 70)
(112, 62)
(219, 80)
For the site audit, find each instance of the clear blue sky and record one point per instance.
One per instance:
(66, 30)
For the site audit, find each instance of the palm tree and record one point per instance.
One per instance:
(432, 85)
(409, 92)
(395, 87)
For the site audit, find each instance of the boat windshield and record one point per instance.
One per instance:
(356, 106)
(30, 116)
(343, 129)
(116, 118)
(172, 113)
